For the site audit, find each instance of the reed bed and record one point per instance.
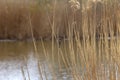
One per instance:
(85, 34)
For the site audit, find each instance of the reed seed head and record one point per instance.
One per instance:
(74, 4)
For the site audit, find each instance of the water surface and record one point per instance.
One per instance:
(18, 60)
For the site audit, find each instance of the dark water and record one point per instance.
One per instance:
(18, 60)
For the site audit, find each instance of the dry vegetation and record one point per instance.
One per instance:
(92, 51)
(92, 15)
(14, 20)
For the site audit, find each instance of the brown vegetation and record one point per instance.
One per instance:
(97, 59)
(14, 19)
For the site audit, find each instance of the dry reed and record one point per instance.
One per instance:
(91, 29)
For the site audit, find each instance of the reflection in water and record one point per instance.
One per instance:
(20, 61)
(14, 55)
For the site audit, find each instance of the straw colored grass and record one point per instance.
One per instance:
(91, 29)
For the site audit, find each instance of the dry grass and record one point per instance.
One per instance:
(92, 31)
(14, 18)
(93, 53)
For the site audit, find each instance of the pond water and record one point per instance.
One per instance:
(22, 61)
(18, 61)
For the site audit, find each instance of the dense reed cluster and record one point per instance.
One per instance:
(90, 27)
(91, 15)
